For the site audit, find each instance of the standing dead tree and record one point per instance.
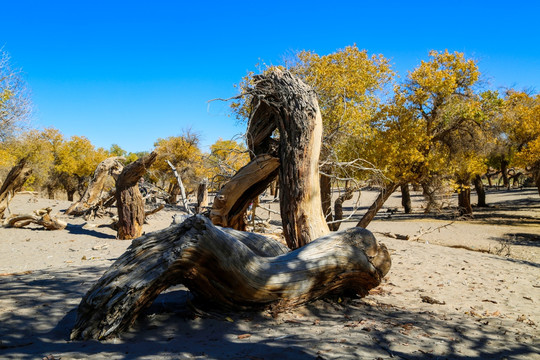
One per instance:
(14, 182)
(182, 188)
(96, 193)
(238, 270)
(129, 200)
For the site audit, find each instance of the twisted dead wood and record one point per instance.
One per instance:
(97, 191)
(40, 217)
(234, 270)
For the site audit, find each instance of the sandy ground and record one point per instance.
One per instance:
(484, 305)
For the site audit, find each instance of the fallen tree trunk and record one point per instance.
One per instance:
(40, 217)
(14, 182)
(95, 192)
(233, 270)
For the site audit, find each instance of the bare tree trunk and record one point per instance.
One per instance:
(174, 192)
(96, 191)
(429, 190)
(182, 189)
(377, 204)
(338, 208)
(406, 198)
(231, 269)
(326, 195)
(504, 173)
(14, 182)
(464, 200)
(202, 196)
(294, 108)
(480, 191)
(129, 200)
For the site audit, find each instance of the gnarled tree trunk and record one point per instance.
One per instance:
(14, 182)
(480, 191)
(213, 264)
(338, 207)
(293, 107)
(95, 192)
(129, 200)
(406, 198)
(238, 270)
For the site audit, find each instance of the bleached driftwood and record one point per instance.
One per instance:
(40, 217)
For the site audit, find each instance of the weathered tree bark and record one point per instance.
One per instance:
(295, 111)
(464, 200)
(202, 196)
(233, 199)
(430, 194)
(338, 207)
(96, 192)
(233, 270)
(14, 182)
(326, 195)
(377, 204)
(129, 200)
(41, 217)
(480, 191)
(406, 198)
(504, 173)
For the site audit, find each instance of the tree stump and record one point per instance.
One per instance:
(129, 200)
(232, 269)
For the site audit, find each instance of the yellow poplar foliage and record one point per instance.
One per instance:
(418, 131)
(184, 153)
(39, 147)
(79, 157)
(521, 119)
(348, 83)
(225, 159)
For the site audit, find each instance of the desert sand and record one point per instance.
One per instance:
(458, 289)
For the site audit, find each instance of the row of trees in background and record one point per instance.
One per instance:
(439, 126)
(67, 164)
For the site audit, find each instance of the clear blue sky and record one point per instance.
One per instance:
(130, 72)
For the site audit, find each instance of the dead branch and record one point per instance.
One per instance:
(40, 217)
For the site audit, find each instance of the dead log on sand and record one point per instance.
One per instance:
(41, 217)
(232, 269)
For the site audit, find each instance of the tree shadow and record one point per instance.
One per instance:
(80, 230)
(39, 310)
